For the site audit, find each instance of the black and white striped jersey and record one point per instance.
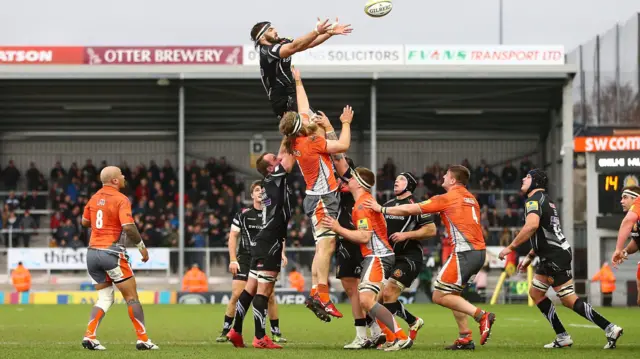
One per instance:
(410, 248)
(275, 71)
(248, 222)
(548, 240)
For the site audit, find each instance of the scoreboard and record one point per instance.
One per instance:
(610, 187)
(616, 170)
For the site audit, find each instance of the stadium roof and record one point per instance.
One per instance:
(433, 98)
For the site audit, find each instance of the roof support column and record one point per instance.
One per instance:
(374, 130)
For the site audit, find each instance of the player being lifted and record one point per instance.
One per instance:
(405, 233)
(246, 225)
(542, 228)
(459, 212)
(108, 214)
(629, 227)
(312, 152)
(266, 251)
(371, 235)
(275, 59)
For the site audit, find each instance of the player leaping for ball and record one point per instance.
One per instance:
(371, 235)
(108, 214)
(312, 152)
(275, 59)
(629, 228)
(459, 212)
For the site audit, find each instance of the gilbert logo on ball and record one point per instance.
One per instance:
(378, 8)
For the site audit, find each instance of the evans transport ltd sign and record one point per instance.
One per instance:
(484, 55)
(70, 259)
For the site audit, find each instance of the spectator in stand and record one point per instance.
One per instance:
(12, 201)
(510, 177)
(76, 243)
(53, 175)
(511, 218)
(11, 175)
(66, 233)
(42, 184)
(74, 172)
(33, 177)
(28, 226)
(73, 189)
(389, 170)
(89, 170)
(525, 166)
(14, 224)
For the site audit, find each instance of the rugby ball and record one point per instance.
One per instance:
(378, 8)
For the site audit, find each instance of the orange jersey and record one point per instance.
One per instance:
(635, 207)
(367, 220)
(315, 164)
(108, 210)
(460, 215)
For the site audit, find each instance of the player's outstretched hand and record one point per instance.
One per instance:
(524, 264)
(296, 73)
(399, 237)
(329, 223)
(373, 205)
(504, 253)
(347, 115)
(340, 29)
(322, 120)
(322, 27)
(618, 258)
(145, 255)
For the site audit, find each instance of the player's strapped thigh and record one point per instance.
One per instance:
(263, 276)
(107, 266)
(638, 273)
(458, 269)
(374, 273)
(318, 207)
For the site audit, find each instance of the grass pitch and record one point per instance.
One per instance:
(185, 331)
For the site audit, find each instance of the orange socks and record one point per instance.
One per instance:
(92, 327)
(323, 292)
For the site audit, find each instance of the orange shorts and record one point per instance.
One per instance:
(107, 266)
(317, 207)
(458, 270)
(375, 270)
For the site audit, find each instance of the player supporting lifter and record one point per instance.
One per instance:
(629, 227)
(108, 214)
(246, 225)
(275, 59)
(371, 235)
(459, 212)
(266, 253)
(542, 228)
(405, 233)
(312, 152)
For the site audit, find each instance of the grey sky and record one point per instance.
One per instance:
(202, 22)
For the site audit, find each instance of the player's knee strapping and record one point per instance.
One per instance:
(105, 298)
(363, 287)
(397, 283)
(539, 285)
(447, 287)
(566, 291)
(262, 277)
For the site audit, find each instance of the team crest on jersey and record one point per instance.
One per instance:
(635, 227)
(550, 280)
(397, 273)
(363, 223)
(296, 153)
(425, 202)
(101, 202)
(532, 206)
